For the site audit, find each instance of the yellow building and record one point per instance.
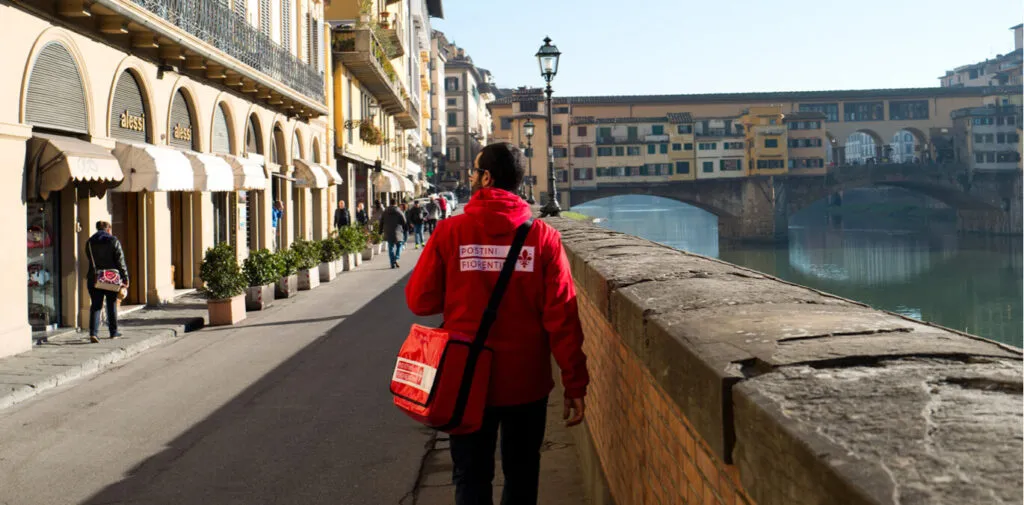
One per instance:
(766, 140)
(376, 104)
(683, 153)
(808, 145)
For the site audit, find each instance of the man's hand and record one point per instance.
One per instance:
(575, 406)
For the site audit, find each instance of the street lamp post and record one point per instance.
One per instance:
(548, 56)
(528, 131)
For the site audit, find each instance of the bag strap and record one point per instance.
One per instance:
(92, 257)
(491, 312)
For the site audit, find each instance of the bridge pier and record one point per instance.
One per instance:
(1004, 216)
(762, 215)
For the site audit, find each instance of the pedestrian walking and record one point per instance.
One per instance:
(361, 216)
(432, 212)
(276, 214)
(442, 204)
(341, 216)
(407, 229)
(416, 217)
(537, 317)
(107, 275)
(392, 224)
(378, 212)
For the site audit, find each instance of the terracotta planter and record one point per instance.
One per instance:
(309, 279)
(328, 271)
(287, 287)
(259, 297)
(226, 312)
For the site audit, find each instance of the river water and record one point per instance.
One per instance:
(918, 267)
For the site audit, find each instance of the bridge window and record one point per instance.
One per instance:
(658, 129)
(684, 129)
(682, 167)
(506, 123)
(677, 147)
(1012, 138)
(1000, 138)
(651, 148)
(1007, 156)
(864, 111)
(831, 110)
(663, 148)
(528, 106)
(709, 166)
(687, 147)
(729, 165)
(979, 157)
(563, 175)
(633, 150)
(707, 146)
(560, 152)
(732, 145)
(908, 109)
(582, 152)
(581, 131)
(561, 110)
(583, 174)
(604, 151)
(981, 121)
(768, 164)
(771, 142)
(556, 129)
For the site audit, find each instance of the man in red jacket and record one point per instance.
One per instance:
(538, 317)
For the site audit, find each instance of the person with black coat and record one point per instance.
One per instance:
(361, 217)
(417, 216)
(392, 226)
(104, 253)
(341, 216)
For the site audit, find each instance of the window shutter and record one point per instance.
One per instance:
(56, 95)
(240, 8)
(286, 25)
(265, 17)
(321, 59)
(310, 43)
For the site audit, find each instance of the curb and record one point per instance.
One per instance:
(16, 393)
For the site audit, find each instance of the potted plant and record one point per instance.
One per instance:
(352, 242)
(369, 133)
(330, 253)
(288, 284)
(262, 270)
(224, 285)
(308, 257)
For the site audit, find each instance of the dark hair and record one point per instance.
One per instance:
(102, 225)
(506, 164)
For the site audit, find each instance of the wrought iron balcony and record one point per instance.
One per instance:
(216, 24)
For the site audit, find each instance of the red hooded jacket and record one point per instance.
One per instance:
(538, 315)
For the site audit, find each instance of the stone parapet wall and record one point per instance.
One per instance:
(715, 384)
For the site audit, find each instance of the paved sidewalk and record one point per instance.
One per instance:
(71, 355)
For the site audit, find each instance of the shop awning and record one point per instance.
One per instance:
(309, 175)
(387, 182)
(59, 160)
(153, 168)
(412, 168)
(248, 172)
(211, 173)
(332, 173)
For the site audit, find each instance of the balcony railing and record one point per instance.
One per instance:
(361, 52)
(216, 24)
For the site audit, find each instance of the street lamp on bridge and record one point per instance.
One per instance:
(528, 131)
(547, 57)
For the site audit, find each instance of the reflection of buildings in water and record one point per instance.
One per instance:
(865, 258)
(661, 220)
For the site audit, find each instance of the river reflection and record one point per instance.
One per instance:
(971, 283)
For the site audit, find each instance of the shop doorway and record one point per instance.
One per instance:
(128, 214)
(44, 279)
(181, 238)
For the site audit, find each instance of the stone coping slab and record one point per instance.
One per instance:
(781, 376)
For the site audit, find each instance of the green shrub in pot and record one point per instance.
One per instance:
(221, 276)
(307, 254)
(262, 267)
(288, 262)
(330, 250)
(352, 239)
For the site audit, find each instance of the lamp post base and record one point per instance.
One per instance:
(550, 209)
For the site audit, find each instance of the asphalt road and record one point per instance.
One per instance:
(290, 407)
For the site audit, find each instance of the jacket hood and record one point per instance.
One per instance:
(497, 210)
(102, 236)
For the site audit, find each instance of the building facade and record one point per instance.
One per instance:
(808, 146)
(378, 88)
(1003, 70)
(467, 118)
(988, 138)
(167, 125)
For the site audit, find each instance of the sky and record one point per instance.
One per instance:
(627, 47)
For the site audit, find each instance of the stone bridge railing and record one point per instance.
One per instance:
(714, 384)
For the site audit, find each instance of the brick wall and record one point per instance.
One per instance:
(648, 450)
(717, 385)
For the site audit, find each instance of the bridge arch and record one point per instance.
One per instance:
(706, 204)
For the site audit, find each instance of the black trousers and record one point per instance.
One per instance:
(97, 297)
(522, 433)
